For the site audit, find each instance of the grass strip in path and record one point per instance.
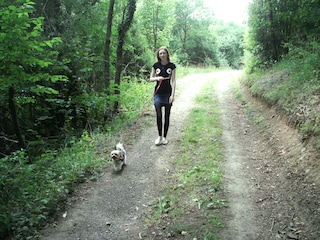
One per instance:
(190, 201)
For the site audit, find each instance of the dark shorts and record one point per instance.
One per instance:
(161, 98)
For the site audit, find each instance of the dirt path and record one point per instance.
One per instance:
(240, 148)
(112, 207)
(271, 191)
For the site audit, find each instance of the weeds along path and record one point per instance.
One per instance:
(112, 207)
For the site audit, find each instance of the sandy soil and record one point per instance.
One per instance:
(269, 176)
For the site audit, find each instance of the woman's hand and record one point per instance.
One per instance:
(154, 79)
(171, 98)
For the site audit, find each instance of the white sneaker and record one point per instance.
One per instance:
(164, 141)
(158, 141)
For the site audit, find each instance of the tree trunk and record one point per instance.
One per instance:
(184, 37)
(122, 30)
(273, 40)
(14, 118)
(107, 45)
(155, 27)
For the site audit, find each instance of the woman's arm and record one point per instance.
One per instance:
(153, 76)
(173, 83)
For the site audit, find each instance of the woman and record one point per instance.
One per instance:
(164, 74)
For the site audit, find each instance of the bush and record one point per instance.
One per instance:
(32, 193)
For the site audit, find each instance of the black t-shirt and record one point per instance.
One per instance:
(166, 72)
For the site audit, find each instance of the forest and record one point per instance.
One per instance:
(74, 68)
(63, 61)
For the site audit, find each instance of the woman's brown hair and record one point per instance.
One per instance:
(163, 48)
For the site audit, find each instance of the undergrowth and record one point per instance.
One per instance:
(196, 182)
(32, 193)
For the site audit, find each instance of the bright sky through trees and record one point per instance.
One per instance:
(229, 10)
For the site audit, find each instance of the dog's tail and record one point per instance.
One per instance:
(119, 146)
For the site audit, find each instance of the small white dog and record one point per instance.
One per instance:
(118, 157)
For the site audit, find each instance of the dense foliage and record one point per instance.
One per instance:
(59, 76)
(277, 27)
(283, 43)
(72, 67)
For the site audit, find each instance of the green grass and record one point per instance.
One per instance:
(183, 71)
(293, 86)
(197, 178)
